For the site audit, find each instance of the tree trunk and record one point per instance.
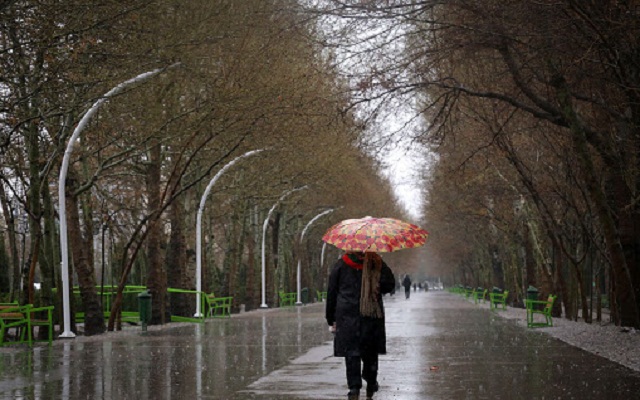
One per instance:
(50, 257)
(156, 278)
(4, 267)
(625, 295)
(9, 219)
(251, 298)
(94, 318)
(496, 266)
(271, 273)
(582, 293)
(529, 258)
(236, 263)
(34, 208)
(628, 224)
(176, 260)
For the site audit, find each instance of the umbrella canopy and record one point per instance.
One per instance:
(375, 234)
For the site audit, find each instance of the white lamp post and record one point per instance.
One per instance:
(324, 278)
(324, 247)
(298, 302)
(264, 234)
(199, 225)
(62, 180)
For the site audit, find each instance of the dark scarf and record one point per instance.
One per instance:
(371, 267)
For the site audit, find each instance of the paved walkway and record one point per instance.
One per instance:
(440, 347)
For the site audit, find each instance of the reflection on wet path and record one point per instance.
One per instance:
(213, 360)
(286, 354)
(442, 347)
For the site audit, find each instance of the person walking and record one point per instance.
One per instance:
(355, 314)
(406, 282)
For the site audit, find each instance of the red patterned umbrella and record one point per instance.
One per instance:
(375, 234)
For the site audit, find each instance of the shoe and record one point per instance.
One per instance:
(354, 394)
(371, 389)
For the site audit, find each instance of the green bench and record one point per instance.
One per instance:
(479, 296)
(41, 317)
(188, 296)
(219, 307)
(542, 307)
(13, 316)
(24, 319)
(498, 299)
(129, 306)
(322, 296)
(287, 299)
(468, 293)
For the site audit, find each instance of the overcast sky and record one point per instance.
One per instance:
(389, 136)
(405, 165)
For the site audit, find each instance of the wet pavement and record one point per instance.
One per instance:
(439, 347)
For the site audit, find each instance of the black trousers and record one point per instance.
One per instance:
(362, 367)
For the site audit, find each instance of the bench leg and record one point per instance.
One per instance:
(30, 334)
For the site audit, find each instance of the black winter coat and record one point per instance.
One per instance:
(354, 333)
(406, 283)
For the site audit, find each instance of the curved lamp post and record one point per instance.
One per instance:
(62, 180)
(199, 224)
(324, 247)
(314, 219)
(264, 235)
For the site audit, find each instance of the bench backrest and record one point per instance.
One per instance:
(12, 314)
(550, 300)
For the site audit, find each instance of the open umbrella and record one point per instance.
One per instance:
(375, 234)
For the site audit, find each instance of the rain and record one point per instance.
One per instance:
(212, 199)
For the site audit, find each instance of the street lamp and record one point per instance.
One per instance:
(199, 225)
(299, 303)
(324, 248)
(264, 234)
(64, 253)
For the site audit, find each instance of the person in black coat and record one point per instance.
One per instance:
(407, 286)
(355, 313)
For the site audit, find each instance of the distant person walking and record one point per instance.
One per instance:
(406, 282)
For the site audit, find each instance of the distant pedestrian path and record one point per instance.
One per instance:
(439, 347)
